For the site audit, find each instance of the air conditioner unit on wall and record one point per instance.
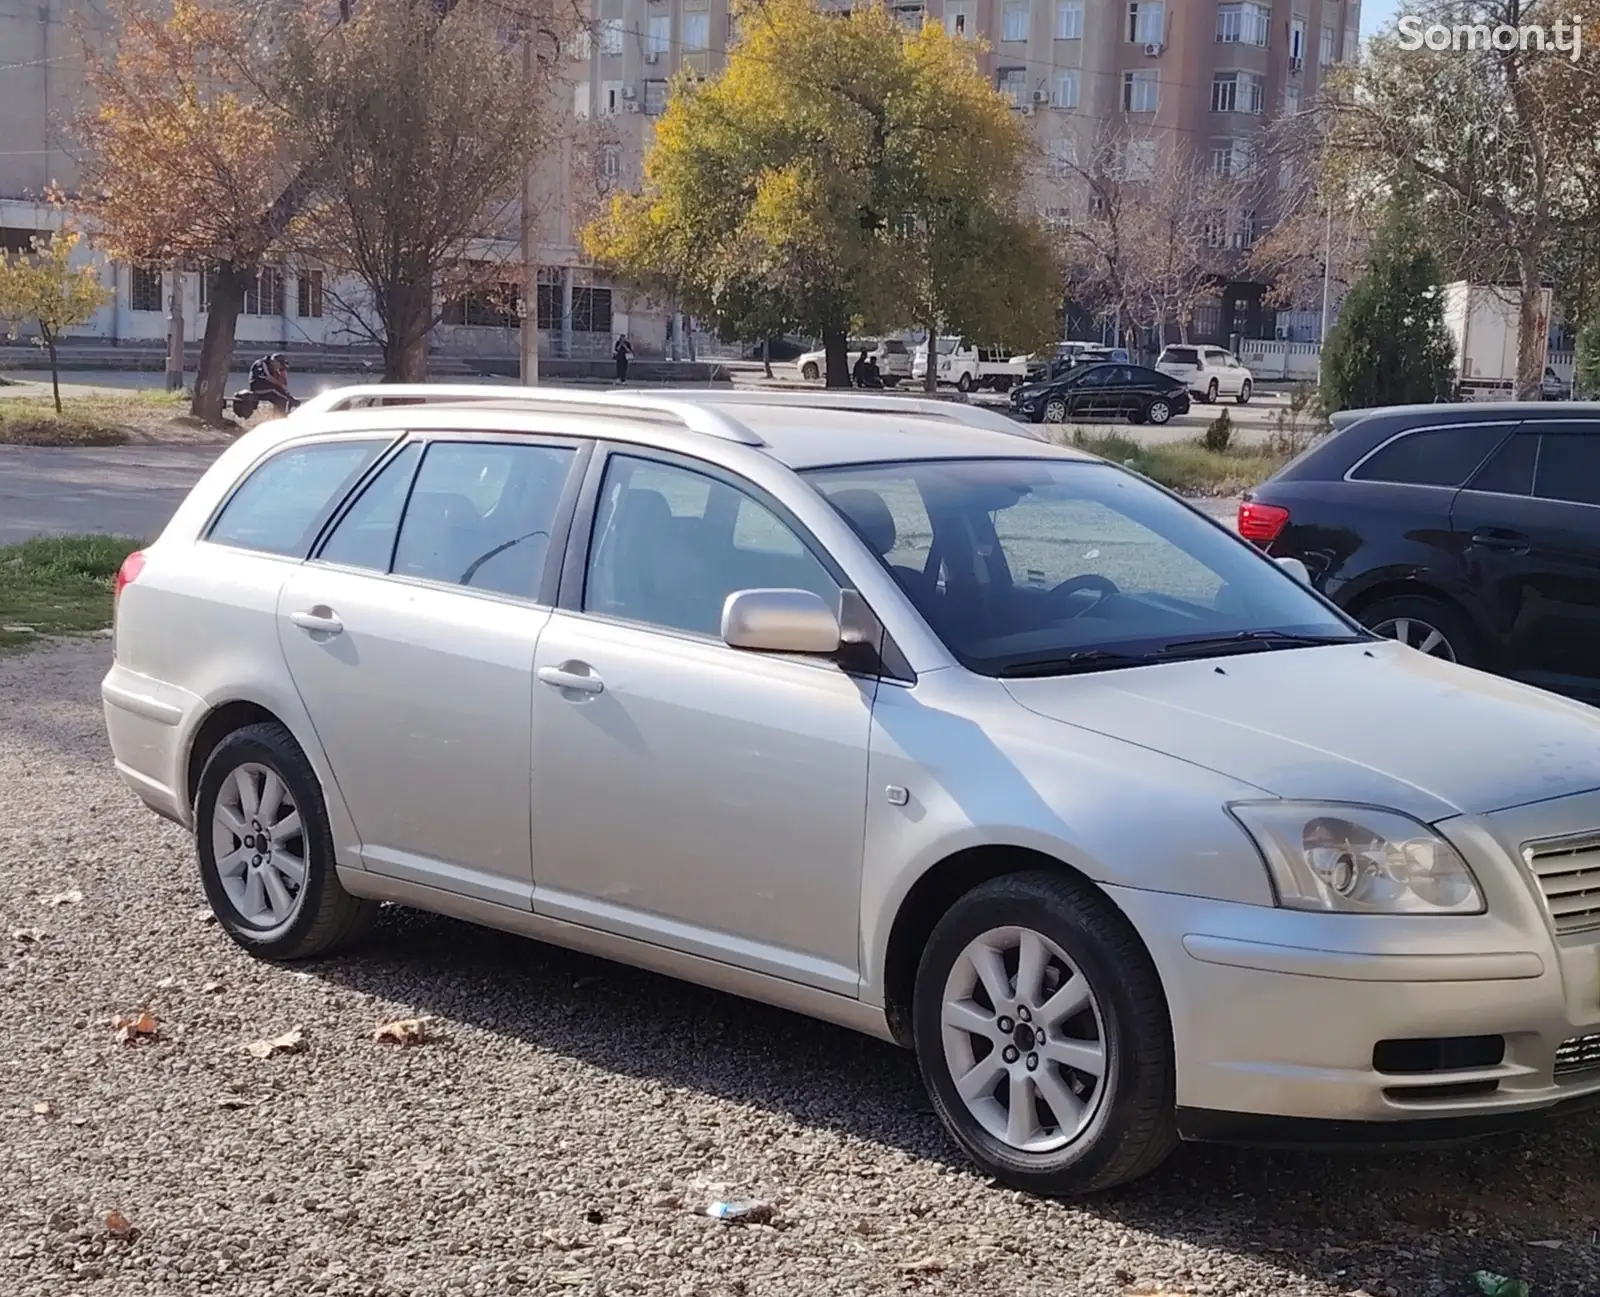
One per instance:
(1153, 48)
(629, 106)
(628, 92)
(1296, 63)
(1041, 96)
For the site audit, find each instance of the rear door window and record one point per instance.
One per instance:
(1510, 469)
(1569, 467)
(1432, 456)
(284, 502)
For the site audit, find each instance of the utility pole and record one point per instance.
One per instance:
(175, 330)
(530, 241)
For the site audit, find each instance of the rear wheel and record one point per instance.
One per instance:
(1244, 393)
(1427, 625)
(810, 372)
(1043, 1038)
(266, 850)
(1211, 392)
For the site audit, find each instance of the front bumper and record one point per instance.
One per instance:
(1277, 1016)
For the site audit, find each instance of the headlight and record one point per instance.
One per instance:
(1358, 860)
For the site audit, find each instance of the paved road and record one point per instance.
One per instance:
(124, 490)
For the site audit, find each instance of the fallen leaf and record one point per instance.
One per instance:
(232, 1101)
(134, 1026)
(926, 1265)
(70, 897)
(571, 1278)
(291, 1042)
(26, 935)
(211, 988)
(120, 1227)
(44, 1109)
(404, 1031)
(166, 983)
(1552, 1243)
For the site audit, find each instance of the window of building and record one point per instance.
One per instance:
(591, 310)
(610, 98)
(1291, 100)
(1063, 155)
(657, 37)
(308, 295)
(909, 16)
(957, 20)
(547, 297)
(1325, 50)
(1141, 91)
(1247, 229)
(1243, 24)
(611, 36)
(1139, 160)
(1285, 174)
(1014, 22)
(1064, 88)
(144, 289)
(697, 31)
(1235, 92)
(1069, 20)
(655, 97)
(1352, 44)
(1147, 22)
(485, 308)
(610, 163)
(265, 295)
(1297, 43)
(580, 101)
(1013, 85)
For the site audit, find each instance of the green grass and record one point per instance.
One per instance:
(89, 420)
(1187, 466)
(58, 586)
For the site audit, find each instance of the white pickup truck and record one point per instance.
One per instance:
(966, 366)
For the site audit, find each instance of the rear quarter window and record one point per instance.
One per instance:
(1432, 456)
(282, 504)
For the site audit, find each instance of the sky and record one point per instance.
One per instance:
(1376, 13)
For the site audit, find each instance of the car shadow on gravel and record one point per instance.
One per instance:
(1391, 1224)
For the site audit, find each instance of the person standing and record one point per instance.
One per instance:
(622, 353)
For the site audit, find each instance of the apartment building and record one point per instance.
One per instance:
(1209, 75)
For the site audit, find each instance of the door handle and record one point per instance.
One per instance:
(324, 623)
(562, 678)
(1498, 538)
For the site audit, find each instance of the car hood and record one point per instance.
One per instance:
(1369, 722)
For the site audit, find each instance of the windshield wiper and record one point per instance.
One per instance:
(1083, 660)
(1265, 639)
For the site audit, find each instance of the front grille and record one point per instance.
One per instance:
(1568, 870)
(1580, 1054)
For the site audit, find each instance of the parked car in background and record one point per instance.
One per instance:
(1470, 532)
(892, 355)
(1068, 356)
(1208, 372)
(1554, 387)
(969, 367)
(1109, 391)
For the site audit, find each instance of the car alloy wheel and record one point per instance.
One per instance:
(1244, 393)
(1415, 633)
(1159, 411)
(259, 844)
(810, 372)
(1211, 392)
(1055, 410)
(1023, 1040)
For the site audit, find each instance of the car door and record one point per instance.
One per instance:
(1118, 391)
(1529, 527)
(686, 793)
(1084, 395)
(410, 636)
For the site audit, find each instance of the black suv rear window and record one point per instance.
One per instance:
(1434, 456)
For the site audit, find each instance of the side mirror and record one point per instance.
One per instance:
(1295, 568)
(780, 621)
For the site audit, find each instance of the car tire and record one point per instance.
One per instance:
(1159, 411)
(1211, 392)
(1419, 618)
(1055, 410)
(964, 383)
(1244, 393)
(1122, 1121)
(246, 860)
(810, 372)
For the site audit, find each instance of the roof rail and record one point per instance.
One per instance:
(972, 416)
(697, 416)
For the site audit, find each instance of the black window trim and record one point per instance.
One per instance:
(1512, 424)
(386, 440)
(549, 578)
(887, 661)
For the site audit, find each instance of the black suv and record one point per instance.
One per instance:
(1469, 532)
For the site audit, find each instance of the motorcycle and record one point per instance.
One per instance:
(246, 402)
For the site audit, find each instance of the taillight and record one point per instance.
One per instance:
(128, 573)
(1261, 522)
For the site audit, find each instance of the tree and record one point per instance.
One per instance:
(842, 172)
(189, 163)
(46, 289)
(1484, 135)
(1389, 346)
(1586, 368)
(423, 116)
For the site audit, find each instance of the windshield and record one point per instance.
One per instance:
(1050, 566)
(947, 345)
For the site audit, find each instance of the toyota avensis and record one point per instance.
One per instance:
(886, 712)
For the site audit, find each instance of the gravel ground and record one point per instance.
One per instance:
(568, 1117)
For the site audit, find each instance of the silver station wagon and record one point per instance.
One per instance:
(887, 712)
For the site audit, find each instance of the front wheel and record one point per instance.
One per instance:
(266, 850)
(1159, 411)
(964, 383)
(1055, 410)
(1211, 392)
(1043, 1037)
(1244, 393)
(810, 372)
